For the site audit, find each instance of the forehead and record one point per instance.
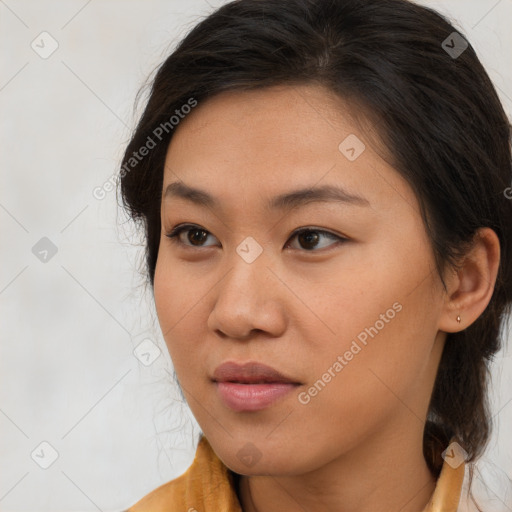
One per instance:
(269, 141)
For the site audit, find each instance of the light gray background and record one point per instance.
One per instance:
(69, 326)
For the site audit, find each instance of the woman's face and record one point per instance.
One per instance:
(348, 311)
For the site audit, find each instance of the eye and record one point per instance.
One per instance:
(307, 237)
(196, 236)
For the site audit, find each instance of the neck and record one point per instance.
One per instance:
(375, 476)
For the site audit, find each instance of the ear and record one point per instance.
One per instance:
(470, 288)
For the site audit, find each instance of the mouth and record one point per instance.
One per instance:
(250, 373)
(251, 386)
(252, 397)
(255, 380)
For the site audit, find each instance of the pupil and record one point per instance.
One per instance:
(309, 237)
(194, 232)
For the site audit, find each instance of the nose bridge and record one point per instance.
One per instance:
(245, 297)
(248, 272)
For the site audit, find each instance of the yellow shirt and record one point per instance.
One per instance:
(208, 486)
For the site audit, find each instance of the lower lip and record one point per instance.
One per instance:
(252, 397)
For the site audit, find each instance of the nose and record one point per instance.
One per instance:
(249, 299)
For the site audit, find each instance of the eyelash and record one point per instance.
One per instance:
(173, 235)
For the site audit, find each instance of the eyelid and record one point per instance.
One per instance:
(173, 235)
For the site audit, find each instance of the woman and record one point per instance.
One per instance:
(324, 189)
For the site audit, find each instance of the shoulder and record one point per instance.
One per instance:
(207, 485)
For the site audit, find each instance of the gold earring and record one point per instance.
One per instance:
(458, 318)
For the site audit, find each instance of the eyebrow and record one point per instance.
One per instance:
(285, 201)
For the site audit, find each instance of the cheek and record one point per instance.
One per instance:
(176, 292)
(384, 321)
(171, 299)
(162, 291)
(179, 303)
(381, 361)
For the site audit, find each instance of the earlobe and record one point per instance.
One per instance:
(471, 287)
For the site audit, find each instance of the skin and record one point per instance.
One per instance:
(357, 444)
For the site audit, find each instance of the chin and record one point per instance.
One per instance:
(250, 461)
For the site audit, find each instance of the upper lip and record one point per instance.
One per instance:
(251, 372)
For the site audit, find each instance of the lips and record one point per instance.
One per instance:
(251, 387)
(249, 373)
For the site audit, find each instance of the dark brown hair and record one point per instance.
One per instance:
(436, 112)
